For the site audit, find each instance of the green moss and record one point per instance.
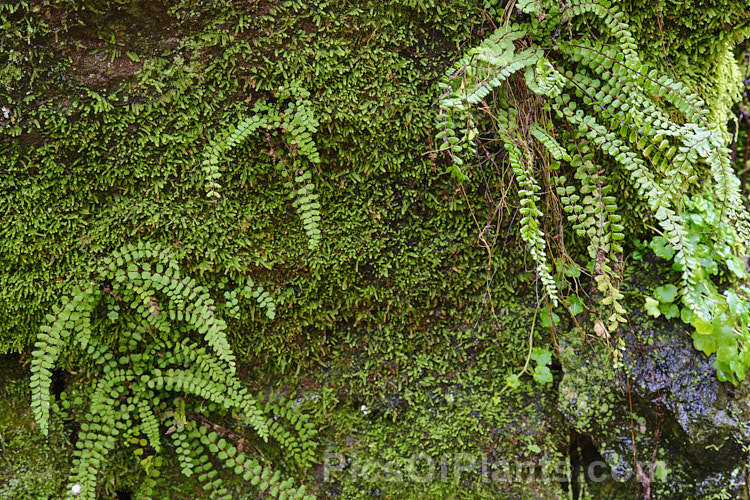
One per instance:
(695, 40)
(112, 105)
(31, 466)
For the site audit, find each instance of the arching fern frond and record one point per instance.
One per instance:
(73, 316)
(297, 124)
(153, 356)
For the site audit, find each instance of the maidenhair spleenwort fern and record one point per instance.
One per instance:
(151, 366)
(611, 111)
(294, 126)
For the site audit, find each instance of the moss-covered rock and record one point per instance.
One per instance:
(400, 331)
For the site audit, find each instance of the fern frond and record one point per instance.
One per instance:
(97, 440)
(251, 470)
(595, 216)
(655, 196)
(186, 448)
(263, 298)
(305, 200)
(227, 395)
(298, 443)
(550, 143)
(73, 316)
(471, 79)
(727, 189)
(297, 124)
(225, 142)
(654, 128)
(149, 424)
(530, 225)
(614, 20)
(543, 79)
(142, 288)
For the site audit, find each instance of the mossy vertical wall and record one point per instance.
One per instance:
(107, 108)
(109, 116)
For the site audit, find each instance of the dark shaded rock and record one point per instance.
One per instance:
(663, 422)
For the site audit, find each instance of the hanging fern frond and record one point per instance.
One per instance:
(97, 441)
(543, 79)
(628, 121)
(184, 435)
(613, 20)
(291, 429)
(307, 205)
(531, 233)
(594, 215)
(297, 124)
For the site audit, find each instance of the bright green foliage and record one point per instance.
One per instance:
(261, 296)
(549, 142)
(663, 304)
(610, 108)
(291, 147)
(153, 311)
(127, 165)
(382, 312)
(86, 175)
(531, 216)
(730, 321)
(542, 358)
(260, 476)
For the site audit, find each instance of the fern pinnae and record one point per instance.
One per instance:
(261, 296)
(89, 458)
(666, 154)
(544, 79)
(550, 143)
(149, 424)
(602, 227)
(184, 436)
(193, 301)
(652, 141)
(72, 317)
(122, 404)
(655, 197)
(223, 143)
(191, 354)
(727, 189)
(297, 124)
(704, 140)
(613, 20)
(251, 470)
(228, 395)
(641, 139)
(689, 104)
(299, 446)
(530, 225)
(304, 199)
(499, 61)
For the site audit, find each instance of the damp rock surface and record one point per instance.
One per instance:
(665, 412)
